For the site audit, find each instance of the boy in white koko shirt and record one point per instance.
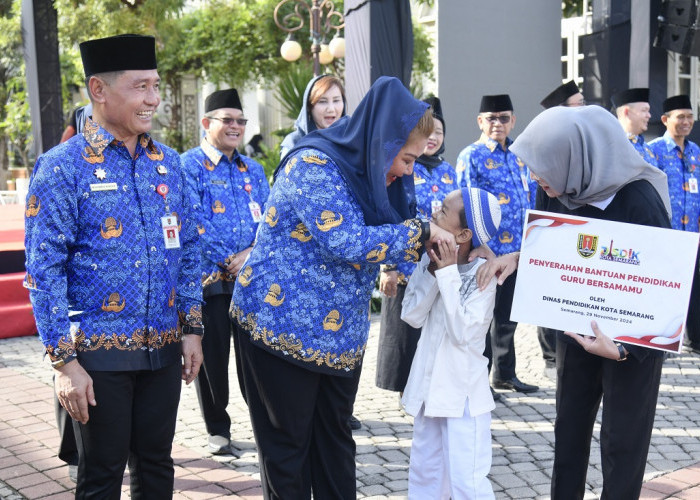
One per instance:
(448, 387)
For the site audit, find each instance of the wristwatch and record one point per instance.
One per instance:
(621, 350)
(62, 362)
(425, 227)
(192, 330)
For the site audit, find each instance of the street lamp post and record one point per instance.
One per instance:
(322, 19)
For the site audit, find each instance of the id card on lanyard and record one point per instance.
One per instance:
(171, 233)
(253, 206)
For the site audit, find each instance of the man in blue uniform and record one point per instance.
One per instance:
(112, 259)
(633, 113)
(567, 94)
(489, 165)
(228, 192)
(679, 158)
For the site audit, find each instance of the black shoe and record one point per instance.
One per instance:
(496, 395)
(220, 445)
(515, 384)
(354, 424)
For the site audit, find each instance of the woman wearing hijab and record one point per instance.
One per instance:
(433, 179)
(324, 104)
(340, 206)
(583, 161)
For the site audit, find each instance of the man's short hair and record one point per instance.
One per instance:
(109, 78)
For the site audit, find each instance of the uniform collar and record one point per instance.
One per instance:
(214, 154)
(671, 144)
(491, 144)
(98, 138)
(634, 139)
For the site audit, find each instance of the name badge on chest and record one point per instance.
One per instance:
(693, 185)
(171, 236)
(526, 186)
(435, 206)
(255, 211)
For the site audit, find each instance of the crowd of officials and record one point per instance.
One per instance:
(144, 265)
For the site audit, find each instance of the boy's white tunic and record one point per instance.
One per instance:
(449, 367)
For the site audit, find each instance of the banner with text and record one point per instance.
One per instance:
(634, 281)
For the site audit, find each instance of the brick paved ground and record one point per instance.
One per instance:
(522, 435)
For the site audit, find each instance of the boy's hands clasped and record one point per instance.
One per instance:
(446, 254)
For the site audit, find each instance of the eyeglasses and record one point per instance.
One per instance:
(575, 104)
(230, 121)
(498, 118)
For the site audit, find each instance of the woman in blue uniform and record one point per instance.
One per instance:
(433, 179)
(340, 206)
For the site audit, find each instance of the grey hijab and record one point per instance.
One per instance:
(584, 154)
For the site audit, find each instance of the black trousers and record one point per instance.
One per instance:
(212, 384)
(629, 390)
(500, 341)
(300, 423)
(397, 345)
(548, 343)
(692, 323)
(134, 421)
(67, 449)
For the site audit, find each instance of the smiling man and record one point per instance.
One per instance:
(488, 164)
(633, 112)
(228, 192)
(112, 259)
(680, 158)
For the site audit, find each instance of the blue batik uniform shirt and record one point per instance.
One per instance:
(642, 148)
(221, 192)
(102, 283)
(304, 292)
(683, 174)
(432, 187)
(486, 165)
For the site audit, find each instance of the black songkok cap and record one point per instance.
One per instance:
(630, 95)
(677, 102)
(495, 103)
(559, 95)
(222, 99)
(436, 108)
(118, 53)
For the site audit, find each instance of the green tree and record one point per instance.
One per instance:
(14, 110)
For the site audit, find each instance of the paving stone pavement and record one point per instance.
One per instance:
(522, 429)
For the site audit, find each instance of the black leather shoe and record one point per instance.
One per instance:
(220, 445)
(496, 395)
(515, 384)
(354, 423)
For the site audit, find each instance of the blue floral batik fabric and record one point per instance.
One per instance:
(683, 174)
(221, 193)
(304, 292)
(642, 148)
(486, 165)
(103, 285)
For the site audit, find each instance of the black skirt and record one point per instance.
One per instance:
(397, 345)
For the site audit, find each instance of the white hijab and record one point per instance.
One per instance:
(583, 153)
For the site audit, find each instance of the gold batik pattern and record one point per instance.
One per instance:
(292, 345)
